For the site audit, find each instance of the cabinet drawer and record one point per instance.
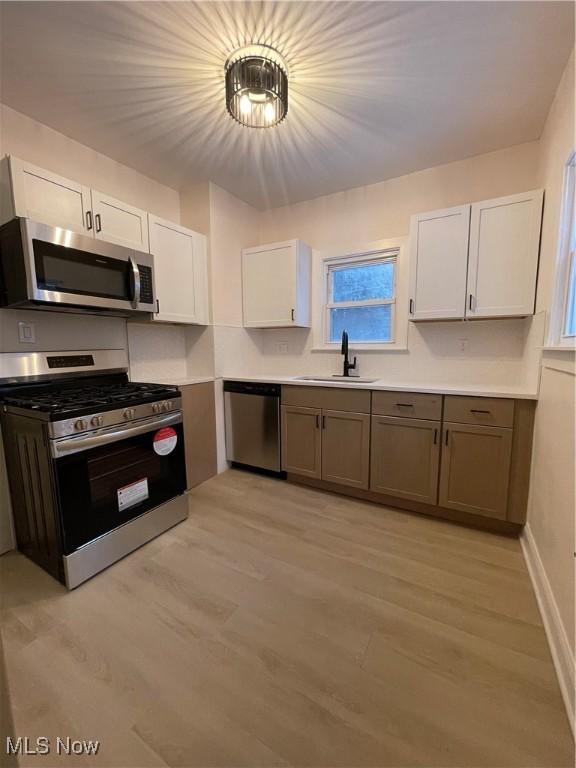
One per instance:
(408, 405)
(489, 411)
(329, 398)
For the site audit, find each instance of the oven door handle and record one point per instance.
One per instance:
(77, 444)
(134, 276)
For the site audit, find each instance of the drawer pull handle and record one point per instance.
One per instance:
(477, 410)
(405, 405)
(446, 439)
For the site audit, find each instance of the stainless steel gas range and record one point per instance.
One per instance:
(95, 462)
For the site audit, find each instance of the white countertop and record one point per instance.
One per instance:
(176, 381)
(482, 390)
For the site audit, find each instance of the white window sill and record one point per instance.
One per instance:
(361, 348)
(559, 348)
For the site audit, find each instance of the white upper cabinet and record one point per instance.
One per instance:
(181, 273)
(46, 197)
(476, 261)
(438, 255)
(503, 256)
(118, 222)
(34, 193)
(276, 285)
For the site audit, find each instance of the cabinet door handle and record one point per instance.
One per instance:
(157, 306)
(98, 221)
(323, 422)
(435, 436)
(470, 300)
(292, 314)
(477, 410)
(89, 224)
(446, 438)
(411, 306)
(317, 421)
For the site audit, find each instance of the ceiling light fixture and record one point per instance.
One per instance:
(257, 86)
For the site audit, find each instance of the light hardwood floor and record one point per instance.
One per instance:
(281, 626)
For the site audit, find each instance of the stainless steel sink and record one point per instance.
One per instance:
(337, 377)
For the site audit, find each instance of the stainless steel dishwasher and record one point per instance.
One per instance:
(252, 420)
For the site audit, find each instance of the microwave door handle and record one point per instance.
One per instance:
(134, 283)
(76, 444)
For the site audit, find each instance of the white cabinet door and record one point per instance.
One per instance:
(181, 273)
(438, 262)
(118, 222)
(503, 256)
(43, 196)
(276, 285)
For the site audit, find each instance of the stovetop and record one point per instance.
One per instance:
(77, 397)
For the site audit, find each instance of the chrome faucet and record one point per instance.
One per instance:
(348, 366)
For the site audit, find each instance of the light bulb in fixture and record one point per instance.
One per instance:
(269, 112)
(245, 105)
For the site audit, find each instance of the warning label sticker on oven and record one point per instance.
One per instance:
(165, 441)
(132, 494)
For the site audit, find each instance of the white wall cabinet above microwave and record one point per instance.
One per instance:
(476, 261)
(118, 222)
(276, 285)
(40, 195)
(181, 273)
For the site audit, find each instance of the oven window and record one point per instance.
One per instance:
(67, 270)
(107, 486)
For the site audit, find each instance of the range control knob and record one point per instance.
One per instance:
(156, 407)
(81, 425)
(97, 421)
(169, 405)
(129, 413)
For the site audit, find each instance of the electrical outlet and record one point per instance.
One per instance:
(26, 333)
(282, 347)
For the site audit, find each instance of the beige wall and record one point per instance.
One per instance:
(383, 210)
(32, 141)
(233, 225)
(552, 500)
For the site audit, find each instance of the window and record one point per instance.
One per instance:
(361, 298)
(563, 317)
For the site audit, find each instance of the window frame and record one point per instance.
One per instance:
(565, 262)
(331, 264)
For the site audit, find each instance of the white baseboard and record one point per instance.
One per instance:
(562, 655)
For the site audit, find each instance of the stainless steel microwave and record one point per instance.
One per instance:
(47, 267)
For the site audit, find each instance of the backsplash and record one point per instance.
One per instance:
(492, 352)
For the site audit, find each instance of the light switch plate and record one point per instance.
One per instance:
(27, 333)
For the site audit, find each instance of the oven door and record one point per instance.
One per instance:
(111, 476)
(66, 268)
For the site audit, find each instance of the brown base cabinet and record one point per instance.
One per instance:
(460, 457)
(346, 448)
(475, 469)
(301, 441)
(324, 436)
(405, 458)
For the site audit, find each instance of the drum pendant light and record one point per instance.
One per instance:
(257, 86)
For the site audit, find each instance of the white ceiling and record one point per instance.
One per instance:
(377, 89)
